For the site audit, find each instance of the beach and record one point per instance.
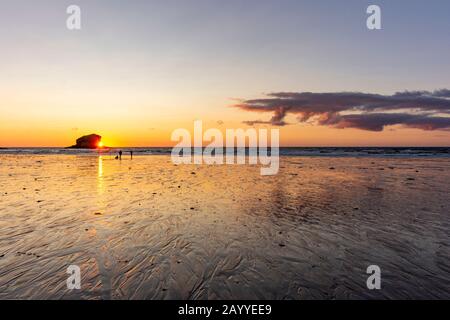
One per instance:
(149, 229)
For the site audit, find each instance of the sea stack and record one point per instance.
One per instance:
(90, 141)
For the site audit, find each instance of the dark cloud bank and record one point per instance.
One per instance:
(414, 109)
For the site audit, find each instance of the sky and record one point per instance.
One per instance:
(137, 70)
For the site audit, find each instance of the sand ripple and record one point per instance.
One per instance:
(147, 229)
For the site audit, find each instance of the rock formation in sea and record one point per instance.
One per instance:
(90, 141)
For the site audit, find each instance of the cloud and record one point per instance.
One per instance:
(426, 110)
(277, 119)
(377, 121)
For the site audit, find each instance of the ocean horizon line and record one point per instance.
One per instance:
(439, 152)
(166, 147)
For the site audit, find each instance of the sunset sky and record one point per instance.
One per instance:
(140, 69)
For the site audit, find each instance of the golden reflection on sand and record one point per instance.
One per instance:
(101, 203)
(100, 167)
(146, 228)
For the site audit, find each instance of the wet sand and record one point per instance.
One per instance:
(148, 229)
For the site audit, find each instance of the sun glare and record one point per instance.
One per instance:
(100, 144)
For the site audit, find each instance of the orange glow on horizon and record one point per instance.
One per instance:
(158, 134)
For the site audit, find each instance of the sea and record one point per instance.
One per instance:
(441, 152)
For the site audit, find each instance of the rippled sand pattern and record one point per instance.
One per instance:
(148, 229)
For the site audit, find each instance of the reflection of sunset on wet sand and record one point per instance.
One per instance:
(147, 228)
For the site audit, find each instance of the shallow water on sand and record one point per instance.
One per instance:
(148, 229)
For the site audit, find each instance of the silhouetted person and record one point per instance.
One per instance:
(120, 155)
(131, 153)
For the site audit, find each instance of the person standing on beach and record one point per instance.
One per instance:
(120, 154)
(131, 153)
